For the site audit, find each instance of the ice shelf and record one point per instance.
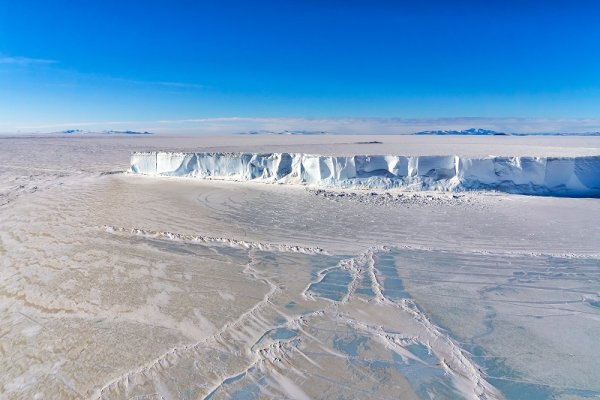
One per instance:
(546, 176)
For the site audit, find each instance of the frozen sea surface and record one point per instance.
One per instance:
(118, 286)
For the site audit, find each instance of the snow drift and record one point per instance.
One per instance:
(551, 176)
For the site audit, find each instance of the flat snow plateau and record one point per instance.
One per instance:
(118, 286)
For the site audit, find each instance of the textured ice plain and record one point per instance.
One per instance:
(555, 176)
(117, 285)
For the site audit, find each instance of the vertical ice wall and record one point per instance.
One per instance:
(573, 176)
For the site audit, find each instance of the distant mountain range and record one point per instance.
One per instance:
(489, 132)
(84, 132)
(471, 131)
(264, 132)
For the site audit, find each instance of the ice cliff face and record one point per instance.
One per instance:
(573, 177)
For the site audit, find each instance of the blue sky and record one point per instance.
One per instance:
(164, 64)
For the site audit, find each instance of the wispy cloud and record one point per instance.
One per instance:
(26, 61)
(76, 76)
(179, 85)
(167, 84)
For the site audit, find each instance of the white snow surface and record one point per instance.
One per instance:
(577, 176)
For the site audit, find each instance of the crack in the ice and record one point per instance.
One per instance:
(249, 270)
(460, 367)
(452, 358)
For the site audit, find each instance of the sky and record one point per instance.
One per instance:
(348, 66)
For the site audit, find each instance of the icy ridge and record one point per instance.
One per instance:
(553, 176)
(207, 239)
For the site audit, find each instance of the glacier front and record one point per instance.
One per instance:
(545, 176)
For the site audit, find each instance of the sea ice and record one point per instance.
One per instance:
(116, 285)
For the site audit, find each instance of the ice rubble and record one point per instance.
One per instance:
(555, 176)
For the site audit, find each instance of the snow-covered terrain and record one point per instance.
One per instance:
(558, 176)
(121, 286)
